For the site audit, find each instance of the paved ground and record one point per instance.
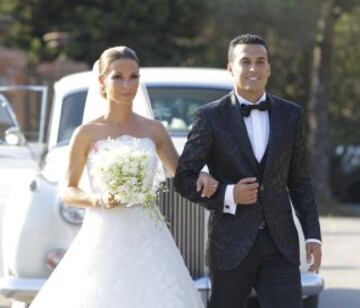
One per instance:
(341, 262)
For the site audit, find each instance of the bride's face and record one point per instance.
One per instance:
(121, 81)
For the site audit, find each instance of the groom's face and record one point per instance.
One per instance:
(250, 69)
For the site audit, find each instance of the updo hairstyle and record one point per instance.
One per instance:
(112, 54)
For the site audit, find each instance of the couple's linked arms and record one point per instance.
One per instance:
(195, 157)
(78, 150)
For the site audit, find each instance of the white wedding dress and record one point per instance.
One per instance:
(121, 258)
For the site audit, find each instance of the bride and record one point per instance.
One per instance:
(121, 256)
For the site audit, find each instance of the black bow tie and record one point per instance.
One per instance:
(245, 109)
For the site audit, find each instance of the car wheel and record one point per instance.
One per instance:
(253, 303)
(311, 301)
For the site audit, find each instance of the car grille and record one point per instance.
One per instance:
(187, 225)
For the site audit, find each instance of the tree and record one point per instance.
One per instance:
(162, 32)
(320, 94)
(319, 97)
(344, 108)
(314, 50)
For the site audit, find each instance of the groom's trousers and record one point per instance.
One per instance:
(276, 280)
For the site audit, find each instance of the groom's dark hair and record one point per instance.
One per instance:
(245, 39)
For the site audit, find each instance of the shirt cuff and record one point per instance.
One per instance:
(229, 203)
(312, 240)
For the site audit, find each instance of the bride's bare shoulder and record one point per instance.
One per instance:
(155, 129)
(87, 132)
(150, 125)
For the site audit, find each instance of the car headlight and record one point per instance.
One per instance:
(71, 215)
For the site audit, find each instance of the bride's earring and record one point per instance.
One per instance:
(103, 91)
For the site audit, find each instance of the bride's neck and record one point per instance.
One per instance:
(119, 115)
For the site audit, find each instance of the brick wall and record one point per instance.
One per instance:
(14, 70)
(13, 64)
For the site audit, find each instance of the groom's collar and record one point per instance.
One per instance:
(242, 100)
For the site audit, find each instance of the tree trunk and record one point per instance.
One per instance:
(318, 107)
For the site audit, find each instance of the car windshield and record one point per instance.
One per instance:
(175, 106)
(5, 120)
(71, 115)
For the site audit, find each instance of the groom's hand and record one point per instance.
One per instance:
(246, 191)
(313, 256)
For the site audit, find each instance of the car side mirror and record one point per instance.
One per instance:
(14, 136)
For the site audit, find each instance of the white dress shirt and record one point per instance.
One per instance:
(258, 128)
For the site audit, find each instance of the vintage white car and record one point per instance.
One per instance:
(18, 157)
(38, 227)
(15, 152)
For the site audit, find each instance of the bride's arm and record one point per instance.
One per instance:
(78, 149)
(169, 156)
(165, 148)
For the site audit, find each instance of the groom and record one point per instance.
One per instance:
(253, 143)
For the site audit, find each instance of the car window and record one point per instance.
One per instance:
(5, 120)
(71, 115)
(175, 106)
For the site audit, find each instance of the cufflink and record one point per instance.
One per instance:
(227, 206)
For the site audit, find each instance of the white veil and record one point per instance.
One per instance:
(95, 104)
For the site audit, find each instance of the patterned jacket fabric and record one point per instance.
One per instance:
(219, 139)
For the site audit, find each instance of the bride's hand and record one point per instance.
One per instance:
(206, 184)
(107, 201)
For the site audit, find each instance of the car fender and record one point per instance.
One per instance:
(33, 227)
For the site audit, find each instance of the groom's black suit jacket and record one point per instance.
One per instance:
(220, 140)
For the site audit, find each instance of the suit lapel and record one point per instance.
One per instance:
(276, 123)
(237, 129)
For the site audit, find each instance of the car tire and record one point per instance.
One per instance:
(311, 301)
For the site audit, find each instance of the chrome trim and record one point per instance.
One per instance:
(44, 94)
(203, 284)
(187, 224)
(312, 284)
(72, 215)
(45, 179)
(20, 289)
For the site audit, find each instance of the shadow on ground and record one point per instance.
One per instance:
(340, 298)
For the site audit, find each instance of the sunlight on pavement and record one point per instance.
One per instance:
(341, 262)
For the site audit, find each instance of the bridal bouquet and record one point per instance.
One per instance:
(127, 172)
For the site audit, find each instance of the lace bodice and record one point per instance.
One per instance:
(155, 174)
